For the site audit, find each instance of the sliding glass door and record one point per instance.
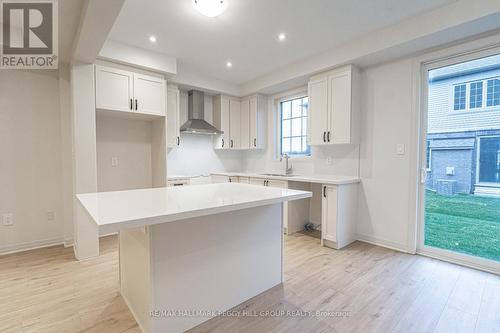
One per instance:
(460, 190)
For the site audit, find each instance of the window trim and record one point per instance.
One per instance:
(277, 99)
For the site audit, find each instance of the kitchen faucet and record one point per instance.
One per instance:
(288, 166)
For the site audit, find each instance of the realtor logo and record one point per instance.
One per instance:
(29, 34)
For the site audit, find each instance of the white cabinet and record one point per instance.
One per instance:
(242, 121)
(334, 107)
(120, 90)
(244, 180)
(245, 124)
(221, 121)
(173, 117)
(338, 218)
(257, 122)
(220, 179)
(149, 94)
(114, 89)
(234, 124)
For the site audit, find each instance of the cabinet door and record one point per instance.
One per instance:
(234, 124)
(329, 213)
(173, 109)
(318, 111)
(113, 89)
(277, 183)
(244, 180)
(257, 181)
(340, 108)
(220, 179)
(245, 125)
(149, 95)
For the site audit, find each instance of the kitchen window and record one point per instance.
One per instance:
(293, 140)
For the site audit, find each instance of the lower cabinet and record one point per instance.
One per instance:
(244, 180)
(220, 179)
(279, 184)
(338, 215)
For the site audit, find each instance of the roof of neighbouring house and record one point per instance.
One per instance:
(465, 68)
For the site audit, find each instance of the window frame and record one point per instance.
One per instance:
(282, 100)
(276, 120)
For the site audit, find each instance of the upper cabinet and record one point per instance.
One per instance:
(334, 108)
(242, 121)
(173, 117)
(221, 121)
(120, 90)
(257, 122)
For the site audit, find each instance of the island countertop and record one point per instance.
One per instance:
(114, 211)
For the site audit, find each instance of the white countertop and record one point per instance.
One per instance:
(321, 179)
(114, 211)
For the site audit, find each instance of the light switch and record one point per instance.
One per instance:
(114, 161)
(400, 149)
(8, 219)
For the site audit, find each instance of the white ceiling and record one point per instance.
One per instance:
(246, 33)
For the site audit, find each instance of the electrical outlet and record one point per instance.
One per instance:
(114, 161)
(329, 160)
(8, 219)
(51, 216)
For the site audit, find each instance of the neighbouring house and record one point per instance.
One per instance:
(463, 133)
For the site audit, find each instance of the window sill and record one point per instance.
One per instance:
(473, 111)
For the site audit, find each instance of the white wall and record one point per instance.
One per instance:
(30, 158)
(384, 192)
(196, 155)
(130, 141)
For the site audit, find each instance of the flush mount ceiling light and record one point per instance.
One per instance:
(152, 39)
(281, 37)
(229, 64)
(210, 8)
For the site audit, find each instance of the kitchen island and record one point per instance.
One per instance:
(188, 253)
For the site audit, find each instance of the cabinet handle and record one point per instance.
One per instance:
(232, 143)
(222, 143)
(136, 105)
(255, 142)
(230, 180)
(265, 182)
(324, 136)
(328, 136)
(178, 140)
(324, 191)
(131, 104)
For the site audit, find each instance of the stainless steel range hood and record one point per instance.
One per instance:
(196, 123)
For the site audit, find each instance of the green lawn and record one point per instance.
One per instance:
(463, 223)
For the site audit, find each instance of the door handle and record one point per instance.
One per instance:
(328, 136)
(178, 140)
(131, 104)
(324, 136)
(232, 143)
(136, 105)
(324, 191)
(222, 143)
(255, 142)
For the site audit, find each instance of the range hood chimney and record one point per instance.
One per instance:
(196, 123)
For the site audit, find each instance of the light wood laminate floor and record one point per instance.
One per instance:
(381, 290)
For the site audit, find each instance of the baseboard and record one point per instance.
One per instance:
(21, 247)
(382, 243)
